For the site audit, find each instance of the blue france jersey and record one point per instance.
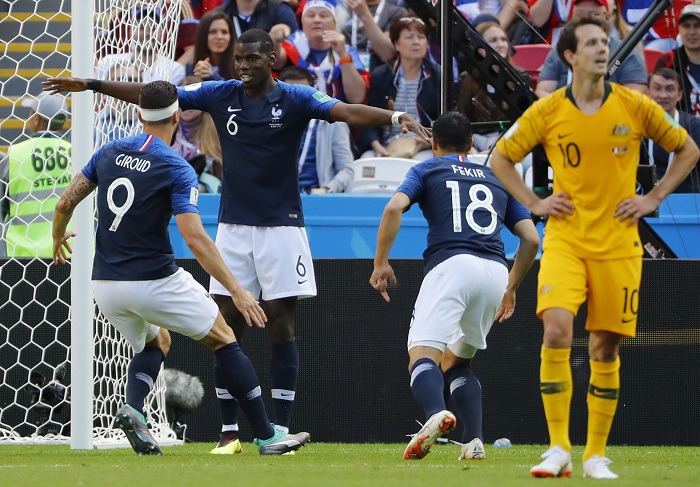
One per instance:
(141, 182)
(260, 141)
(465, 206)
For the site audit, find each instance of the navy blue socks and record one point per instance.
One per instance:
(466, 395)
(284, 369)
(240, 380)
(427, 386)
(142, 373)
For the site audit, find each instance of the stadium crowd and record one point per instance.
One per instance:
(379, 53)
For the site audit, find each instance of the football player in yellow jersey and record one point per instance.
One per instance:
(591, 132)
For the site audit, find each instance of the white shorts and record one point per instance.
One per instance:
(276, 260)
(137, 309)
(457, 302)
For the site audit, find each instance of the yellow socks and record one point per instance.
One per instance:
(555, 387)
(603, 391)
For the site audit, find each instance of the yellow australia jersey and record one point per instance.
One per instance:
(594, 159)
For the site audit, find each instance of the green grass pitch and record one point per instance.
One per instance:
(328, 464)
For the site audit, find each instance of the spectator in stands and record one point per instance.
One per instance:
(619, 27)
(686, 59)
(555, 74)
(197, 141)
(411, 85)
(662, 35)
(200, 7)
(336, 67)
(186, 32)
(548, 17)
(665, 89)
(145, 41)
(367, 28)
(275, 17)
(33, 175)
(325, 160)
(213, 51)
(474, 100)
(508, 13)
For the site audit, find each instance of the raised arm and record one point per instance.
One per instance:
(381, 43)
(366, 116)
(121, 90)
(206, 253)
(76, 192)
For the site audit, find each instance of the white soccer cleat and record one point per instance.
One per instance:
(474, 450)
(556, 463)
(438, 425)
(596, 467)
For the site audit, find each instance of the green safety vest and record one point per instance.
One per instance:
(39, 171)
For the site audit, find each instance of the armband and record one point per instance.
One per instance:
(94, 85)
(345, 60)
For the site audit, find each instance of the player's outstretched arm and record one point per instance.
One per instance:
(389, 227)
(76, 192)
(358, 115)
(206, 253)
(684, 159)
(524, 257)
(121, 90)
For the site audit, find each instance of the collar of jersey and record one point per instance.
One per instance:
(606, 93)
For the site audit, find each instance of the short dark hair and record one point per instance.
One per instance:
(295, 73)
(568, 40)
(453, 131)
(257, 35)
(668, 74)
(158, 94)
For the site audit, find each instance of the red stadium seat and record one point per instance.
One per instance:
(651, 56)
(531, 57)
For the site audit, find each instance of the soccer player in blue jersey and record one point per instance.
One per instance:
(467, 284)
(261, 234)
(142, 182)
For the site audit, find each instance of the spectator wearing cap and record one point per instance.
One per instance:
(336, 67)
(146, 34)
(33, 175)
(686, 59)
(555, 74)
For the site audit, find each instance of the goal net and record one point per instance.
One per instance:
(134, 41)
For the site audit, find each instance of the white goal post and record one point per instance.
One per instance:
(62, 366)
